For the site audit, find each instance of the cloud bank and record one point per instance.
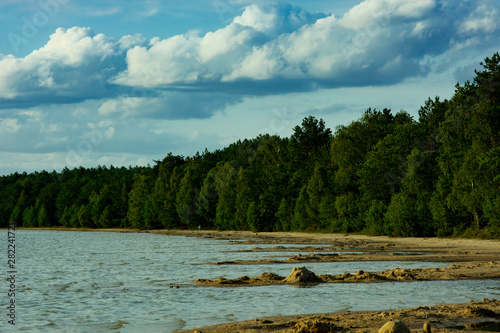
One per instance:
(268, 49)
(80, 78)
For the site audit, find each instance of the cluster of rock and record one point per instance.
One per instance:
(304, 275)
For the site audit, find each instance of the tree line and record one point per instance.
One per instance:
(383, 174)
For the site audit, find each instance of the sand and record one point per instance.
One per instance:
(442, 318)
(470, 259)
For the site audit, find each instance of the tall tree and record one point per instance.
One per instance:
(307, 140)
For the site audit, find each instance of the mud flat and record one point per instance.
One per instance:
(478, 316)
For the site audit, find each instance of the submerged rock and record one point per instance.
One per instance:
(301, 274)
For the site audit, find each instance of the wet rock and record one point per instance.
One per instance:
(396, 326)
(360, 272)
(301, 274)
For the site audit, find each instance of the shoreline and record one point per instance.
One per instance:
(373, 248)
(472, 259)
(297, 235)
(443, 318)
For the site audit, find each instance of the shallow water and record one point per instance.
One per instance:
(119, 282)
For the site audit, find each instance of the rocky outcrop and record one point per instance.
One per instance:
(301, 275)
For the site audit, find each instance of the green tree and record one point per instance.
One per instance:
(186, 201)
(307, 140)
(375, 224)
(225, 182)
(85, 218)
(136, 203)
(30, 217)
(400, 217)
(43, 217)
(348, 214)
(207, 199)
(352, 143)
(284, 215)
(253, 217)
(243, 198)
(301, 217)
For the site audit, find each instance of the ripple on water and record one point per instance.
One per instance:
(63, 285)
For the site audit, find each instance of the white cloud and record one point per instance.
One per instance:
(130, 41)
(9, 126)
(261, 64)
(72, 63)
(255, 17)
(269, 49)
(173, 60)
(222, 41)
(483, 19)
(279, 42)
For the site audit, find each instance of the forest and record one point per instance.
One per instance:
(383, 174)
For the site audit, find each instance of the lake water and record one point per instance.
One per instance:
(119, 282)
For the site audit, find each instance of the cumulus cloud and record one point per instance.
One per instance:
(270, 48)
(376, 42)
(74, 65)
(168, 105)
(193, 59)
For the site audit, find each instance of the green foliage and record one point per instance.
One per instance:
(187, 197)
(375, 224)
(384, 173)
(400, 217)
(253, 217)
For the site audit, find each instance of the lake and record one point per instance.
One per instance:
(120, 282)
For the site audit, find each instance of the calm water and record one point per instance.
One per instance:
(113, 282)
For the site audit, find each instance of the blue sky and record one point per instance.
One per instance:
(125, 82)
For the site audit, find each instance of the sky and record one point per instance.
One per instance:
(125, 82)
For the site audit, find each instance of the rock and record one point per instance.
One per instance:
(396, 326)
(360, 272)
(314, 326)
(427, 327)
(301, 274)
(476, 311)
(243, 278)
(269, 276)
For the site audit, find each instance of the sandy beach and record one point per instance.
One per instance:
(468, 259)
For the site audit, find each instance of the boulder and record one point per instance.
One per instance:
(301, 274)
(396, 326)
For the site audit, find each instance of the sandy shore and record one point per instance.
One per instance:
(471, 259)
(468, 258)
(442, 318)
